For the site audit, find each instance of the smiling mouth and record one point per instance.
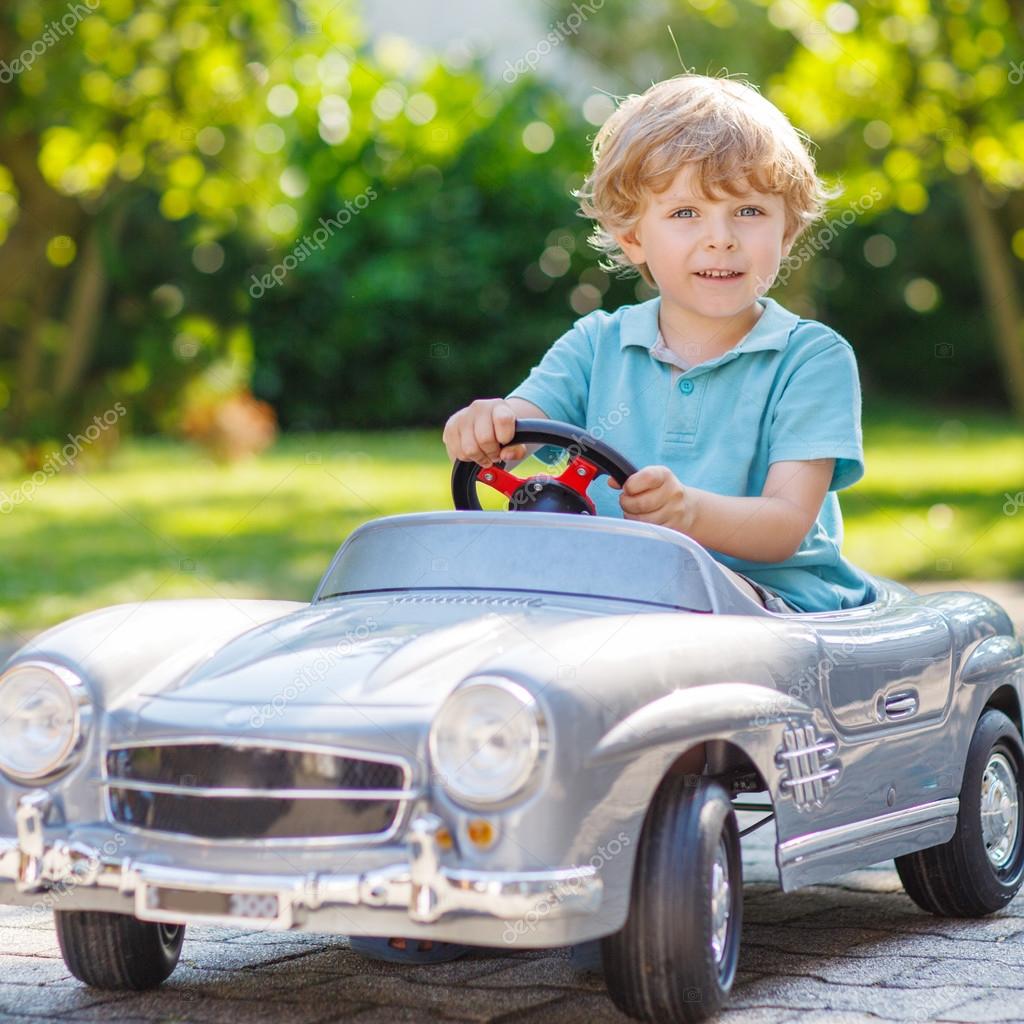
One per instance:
(719, 275)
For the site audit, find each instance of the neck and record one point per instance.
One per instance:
(697, 337)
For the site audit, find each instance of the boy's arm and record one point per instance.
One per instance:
(815, 445)
(768, 528)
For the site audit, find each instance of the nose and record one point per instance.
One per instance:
(719, 234)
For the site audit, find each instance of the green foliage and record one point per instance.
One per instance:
(940, 353)
(144, 161)
(433, 295)
(204, 144)
(160, 159)
(127, 167)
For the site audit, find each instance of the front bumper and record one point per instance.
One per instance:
(428, 891)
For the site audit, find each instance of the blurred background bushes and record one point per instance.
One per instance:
(162, 161)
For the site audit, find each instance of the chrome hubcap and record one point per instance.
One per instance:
(720, 899)
(999, 809)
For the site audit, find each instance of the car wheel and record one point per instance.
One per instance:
(116, 951)
(981, 868)
(675, 958)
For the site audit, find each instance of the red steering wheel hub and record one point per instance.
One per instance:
(566, 492)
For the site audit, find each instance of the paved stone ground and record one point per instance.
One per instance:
(854, 950)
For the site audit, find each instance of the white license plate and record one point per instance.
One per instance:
(166, 903)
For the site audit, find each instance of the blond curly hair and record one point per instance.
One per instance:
(726, 127)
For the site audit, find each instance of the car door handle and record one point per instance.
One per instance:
(901, 705)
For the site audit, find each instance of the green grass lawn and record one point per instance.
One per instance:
(163, 521)
(931, 503)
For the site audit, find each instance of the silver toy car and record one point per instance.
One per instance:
(517, 731)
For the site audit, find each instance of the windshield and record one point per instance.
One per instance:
(522, 552)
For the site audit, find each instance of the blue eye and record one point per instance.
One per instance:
(754, 208)
(688, 209)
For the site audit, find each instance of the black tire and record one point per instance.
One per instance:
(977, 873)
(663, 966)
(116, 951)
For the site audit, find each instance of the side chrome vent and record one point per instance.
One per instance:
(808, 764)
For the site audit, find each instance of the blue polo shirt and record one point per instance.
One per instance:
(787, 391)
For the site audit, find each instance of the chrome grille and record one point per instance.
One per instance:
(243, 790)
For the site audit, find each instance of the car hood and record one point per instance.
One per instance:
(370, 652)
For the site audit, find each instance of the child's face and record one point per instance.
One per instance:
(680, 233)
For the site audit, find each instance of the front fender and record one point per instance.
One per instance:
(151, 642)
(636, 753)
(741, 713)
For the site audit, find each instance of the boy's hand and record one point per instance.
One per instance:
(655, 494)
(480, 433)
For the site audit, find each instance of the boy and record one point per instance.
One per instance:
(744, 417)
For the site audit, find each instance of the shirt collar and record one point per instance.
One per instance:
(639, 326)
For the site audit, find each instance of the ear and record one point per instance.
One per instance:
(787, 244)
(631, 245)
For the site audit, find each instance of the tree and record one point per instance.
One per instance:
(104, 104)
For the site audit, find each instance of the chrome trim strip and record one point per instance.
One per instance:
(857, 833)
(270, 743)
(356, 839)
(801, 780)
(822, 747)
(272, 794)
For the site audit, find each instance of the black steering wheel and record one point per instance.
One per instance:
(589, 459)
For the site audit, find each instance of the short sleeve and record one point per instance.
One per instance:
(817, 415)
(560, 383)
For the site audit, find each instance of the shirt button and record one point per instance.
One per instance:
(686, 386)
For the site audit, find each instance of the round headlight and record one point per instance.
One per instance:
(486, 741)
(41, 709)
